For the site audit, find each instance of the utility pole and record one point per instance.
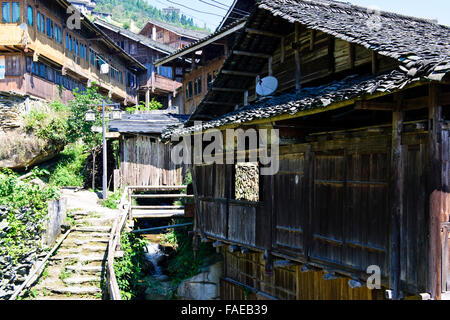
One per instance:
(90, 116)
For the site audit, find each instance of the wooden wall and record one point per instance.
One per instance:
(244, 278)
(147, 162)
(329, 204)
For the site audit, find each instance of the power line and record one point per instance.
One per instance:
(204, 12)
(213, 5)
(235, 10)
(188, 15)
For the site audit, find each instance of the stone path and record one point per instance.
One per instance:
(77, 271)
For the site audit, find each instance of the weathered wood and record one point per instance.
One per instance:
(252, 54)
(263, 33)
(435, 192)
(397, 184)
(298, 71)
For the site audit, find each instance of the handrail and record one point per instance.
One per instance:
(115, 235)
(114, 240)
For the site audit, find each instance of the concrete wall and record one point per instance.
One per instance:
(57, 211)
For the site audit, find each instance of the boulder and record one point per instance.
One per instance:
(204, 286)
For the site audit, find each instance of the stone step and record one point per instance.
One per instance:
(81, 280)
(84, 242)
(80, 257)
(92, 235)
(101, 229)
(87, 269)
(80, 249)
(75, 290)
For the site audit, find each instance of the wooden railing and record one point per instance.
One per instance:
(125, 209)
(114, 241)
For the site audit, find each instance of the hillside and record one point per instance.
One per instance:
(139, 11)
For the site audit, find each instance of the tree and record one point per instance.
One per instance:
(78, 127)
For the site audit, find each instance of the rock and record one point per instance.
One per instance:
(162, 278)
(204, 286)
(162, 261)
(159, 291)
(38, 182)
(65, 227)
(148, 267)
(22, 269)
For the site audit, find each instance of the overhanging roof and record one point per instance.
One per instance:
(146, 123)
(188, 33)
(230, 29)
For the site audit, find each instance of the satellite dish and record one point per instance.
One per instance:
(23, 26)
(267, 86)
(104, 68)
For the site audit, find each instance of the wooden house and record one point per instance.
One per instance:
(159, 83)
(42, 56)
(171, 35)
(144, 159)
(363, 110)
(200, 62)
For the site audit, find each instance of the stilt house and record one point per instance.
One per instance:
(363, 110)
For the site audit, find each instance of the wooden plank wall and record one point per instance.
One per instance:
(147, 162)
(288, 283)
(337, 212)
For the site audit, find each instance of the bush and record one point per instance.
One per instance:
(128, 269)
(69, 169)
(27, 208)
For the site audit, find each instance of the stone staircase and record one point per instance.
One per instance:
(77, 271)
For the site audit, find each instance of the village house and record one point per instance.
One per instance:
(159, 83)
(362, 109)
(42, 56)
(171, 35)
(200, 62)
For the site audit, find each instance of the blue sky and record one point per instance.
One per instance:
(430, 9)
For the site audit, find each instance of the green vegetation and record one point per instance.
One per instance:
(140, 11)
(113, 200)
(153, 105)
(49, 125)
(128, 269)
(69, 168)
(27, 207)
(185, 263)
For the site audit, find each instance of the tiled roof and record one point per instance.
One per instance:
(306, 99)
(192, 34)
(421, 45)
(136, 37)
(201, 41)
(146, 123)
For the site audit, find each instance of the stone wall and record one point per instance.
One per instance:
(13, 107)
(247, 182)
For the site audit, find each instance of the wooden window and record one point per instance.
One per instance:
(30, 16)
(199, 85)
(38, 21)
(16, 12)
(6, 12)
(13, 66)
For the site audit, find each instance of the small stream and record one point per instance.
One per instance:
(153, 253)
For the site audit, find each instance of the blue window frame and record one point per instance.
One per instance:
(30, 15)
(15, 12)
(6, 12)
(38, 20)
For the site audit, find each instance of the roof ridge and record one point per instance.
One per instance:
(366, 10)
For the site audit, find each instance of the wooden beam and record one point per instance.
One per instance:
(216, 103)
(435, 191)
(444, 99)
(331, 58)
(352, 55)
(263, 33)
(240, 73)
(283, 50)
(374, 105)
(228, 89)
(298, 70)
(312, 40)
(374, 62)
(397, 182)
(252, 54)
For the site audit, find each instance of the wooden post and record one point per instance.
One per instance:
(270, 66)
(147, 97)
(283, 50)
(93, 170)
(298, 71)
(435, 192)
(397, 197)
